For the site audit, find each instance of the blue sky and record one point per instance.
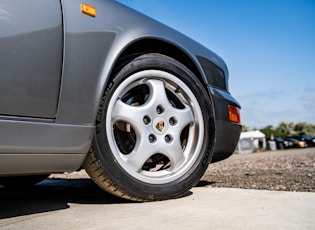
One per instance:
(268, 46)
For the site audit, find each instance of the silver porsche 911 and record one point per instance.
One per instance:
(142, 108)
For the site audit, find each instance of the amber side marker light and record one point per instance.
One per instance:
(88, 10)
(234, 114)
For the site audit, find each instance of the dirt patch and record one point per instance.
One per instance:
(290, 170)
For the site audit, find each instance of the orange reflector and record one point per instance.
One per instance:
(89, 10)
(234, 114)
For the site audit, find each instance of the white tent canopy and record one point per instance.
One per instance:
(249, 141)
(252, 134)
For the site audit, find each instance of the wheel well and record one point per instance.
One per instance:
(161, 47)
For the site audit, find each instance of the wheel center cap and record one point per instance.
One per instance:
(159, 125)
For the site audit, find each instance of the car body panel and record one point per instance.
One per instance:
(30, 163)
(227, 133)
(40, 137)
(28, 147)
(114, 35)
(62, 124)
(30, 58)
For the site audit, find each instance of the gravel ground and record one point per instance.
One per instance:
(288, 170)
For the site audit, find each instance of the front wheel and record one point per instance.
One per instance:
(155, 131)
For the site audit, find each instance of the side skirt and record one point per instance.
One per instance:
(37, 147)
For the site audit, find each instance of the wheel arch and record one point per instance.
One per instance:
(167, 48)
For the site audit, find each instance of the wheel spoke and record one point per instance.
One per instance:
(125, 112)
(174, 152)
(131, 115)
(142, 152)
(157, 93)
(184, 117)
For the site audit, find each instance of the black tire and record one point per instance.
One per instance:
(154, 132)
(21, 181)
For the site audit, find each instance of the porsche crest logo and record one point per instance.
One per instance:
(160, 126)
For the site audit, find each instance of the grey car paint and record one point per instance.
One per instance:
(47, 124)
(31, 52)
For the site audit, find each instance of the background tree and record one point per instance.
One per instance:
(245, 128)
(268, 130)
(304, 128)
(285, 129)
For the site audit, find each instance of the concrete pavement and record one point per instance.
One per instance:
(81, 205)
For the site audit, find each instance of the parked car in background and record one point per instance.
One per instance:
(143, 108)
(280, 143)
(310, 141)
(277, 143)
(295, 143)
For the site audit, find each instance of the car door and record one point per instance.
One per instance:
(30, 57)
